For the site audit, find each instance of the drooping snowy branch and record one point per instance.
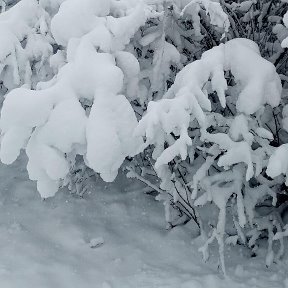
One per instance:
(26, 45)
(187, 99)
(103, 134)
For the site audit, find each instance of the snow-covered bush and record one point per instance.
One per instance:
(220, 128)
(81, 110)
(52, 124)
(186, 93)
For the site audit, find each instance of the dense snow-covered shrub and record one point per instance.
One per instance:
(185, 92)
(52, 119)
(232, 149)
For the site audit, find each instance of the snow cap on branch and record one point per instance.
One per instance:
(187, 99)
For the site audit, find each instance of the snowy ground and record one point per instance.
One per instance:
(47, 243)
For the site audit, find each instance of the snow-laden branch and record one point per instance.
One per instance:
(25, 44)
(256, 80)
(217, 16)
(52, 124)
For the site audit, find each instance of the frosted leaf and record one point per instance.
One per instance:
(124, 28)
(237, 152)
(264, 133)
(239, 129)
(278, 162)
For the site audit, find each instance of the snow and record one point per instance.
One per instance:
(50, 123)
(91, 19)
(84, 68)
(62, 130)
(74, 116)
(239, 129)
(48, 243)
(75, 18)
(21, 43)
(30, 109)
(284, 43)
(109, 128)
(96, 242)
(258, 84)
(278, 162)
(262, 83)
(129, 65)
(217, 16)
(124, 28)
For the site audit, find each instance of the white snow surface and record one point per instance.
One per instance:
(48, 243)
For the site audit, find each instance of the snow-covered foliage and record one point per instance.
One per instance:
(26, 45)
(225, 142)
(188, 94)
(50, 122)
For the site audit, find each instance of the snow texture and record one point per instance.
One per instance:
(48, 243)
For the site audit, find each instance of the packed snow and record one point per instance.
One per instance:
(113, 237)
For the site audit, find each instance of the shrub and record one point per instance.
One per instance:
(202, 78)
